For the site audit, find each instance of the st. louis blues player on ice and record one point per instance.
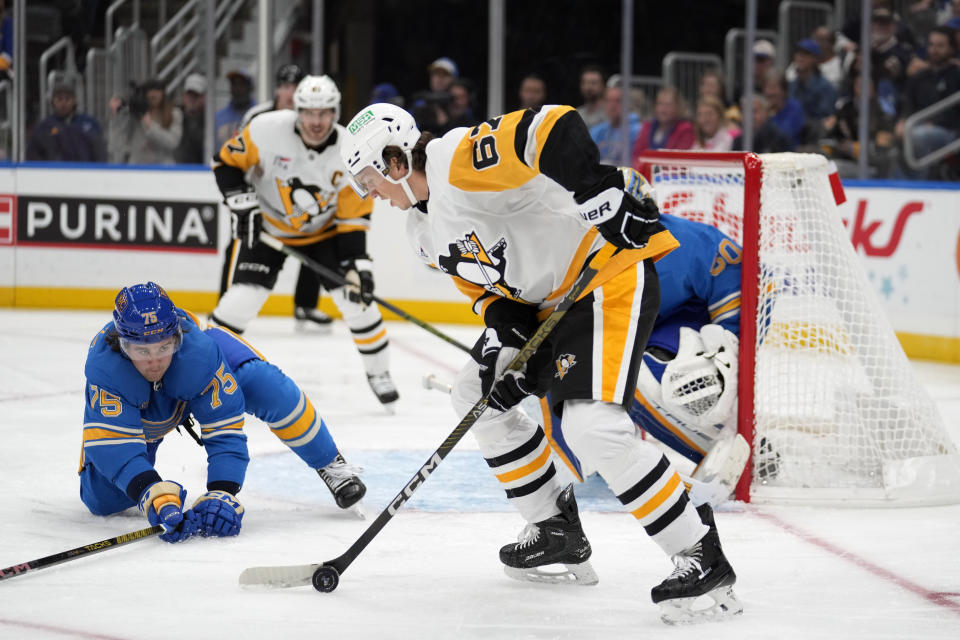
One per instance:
(151, 368)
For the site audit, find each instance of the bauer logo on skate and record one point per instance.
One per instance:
(102, 223)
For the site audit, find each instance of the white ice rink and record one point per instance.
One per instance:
(433, 572)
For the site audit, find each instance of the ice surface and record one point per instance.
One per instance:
(433, 571)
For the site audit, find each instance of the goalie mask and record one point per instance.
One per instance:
(371, 131)
(700, 384)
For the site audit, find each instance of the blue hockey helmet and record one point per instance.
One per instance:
(144, 313)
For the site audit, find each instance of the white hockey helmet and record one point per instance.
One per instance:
(375, 128)
(317, 92)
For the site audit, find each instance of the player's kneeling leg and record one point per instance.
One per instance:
(219, 514)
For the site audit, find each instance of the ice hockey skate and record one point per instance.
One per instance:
(555, 541)
(312, 320)
(385, 390)
(343, 481)
(701, 570)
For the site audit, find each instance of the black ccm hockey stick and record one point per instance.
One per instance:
(326, 576)
(334, 276)
(79, 552)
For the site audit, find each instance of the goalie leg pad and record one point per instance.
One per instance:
(724, 462)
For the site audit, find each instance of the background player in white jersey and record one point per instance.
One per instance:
(282, 174)
(306, 293)
(513, 209)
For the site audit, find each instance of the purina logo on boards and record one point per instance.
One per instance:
(117, 224)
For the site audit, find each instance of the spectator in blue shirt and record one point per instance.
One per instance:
(608, 135)
(787, 113)
(814, 92)
(66, 135)
(227, 121)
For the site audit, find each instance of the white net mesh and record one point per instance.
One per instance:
(839, 413)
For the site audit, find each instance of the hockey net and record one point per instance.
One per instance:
(827, 398)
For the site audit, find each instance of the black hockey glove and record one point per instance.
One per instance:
(624, 215)
(358, 272)
(494, 351)
(245, 217)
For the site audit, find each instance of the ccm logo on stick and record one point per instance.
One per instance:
(412, 486)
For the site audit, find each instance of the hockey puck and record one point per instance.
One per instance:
(325, 579)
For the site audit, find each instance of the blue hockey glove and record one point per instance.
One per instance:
(218, 514)
(162, 504)
(358, 272)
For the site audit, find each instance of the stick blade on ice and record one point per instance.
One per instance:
(281, 577)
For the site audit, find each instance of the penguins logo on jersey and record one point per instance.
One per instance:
(471, 261)
(302, 202)
(564, 363)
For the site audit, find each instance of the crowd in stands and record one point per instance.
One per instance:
(811, 105)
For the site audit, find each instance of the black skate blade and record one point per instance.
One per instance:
(573, 574)
(684, 611)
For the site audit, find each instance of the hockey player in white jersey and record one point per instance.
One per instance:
(513, 209)
(306, 293)
(282, 174)
(686, 394)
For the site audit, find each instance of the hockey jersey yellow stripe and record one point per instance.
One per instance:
(727, 308)
(666, 424)
(327, 232)
(299, 426)
(99, 434)
(379, 336)
(618, 294)
(346, 228)
(508, 172)
(526, 469)
(658, 498)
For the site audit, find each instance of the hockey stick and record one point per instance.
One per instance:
(431, 381)
(79, 552)
(326, 576)
(336, 277)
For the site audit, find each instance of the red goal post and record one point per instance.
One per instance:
(827, 399)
